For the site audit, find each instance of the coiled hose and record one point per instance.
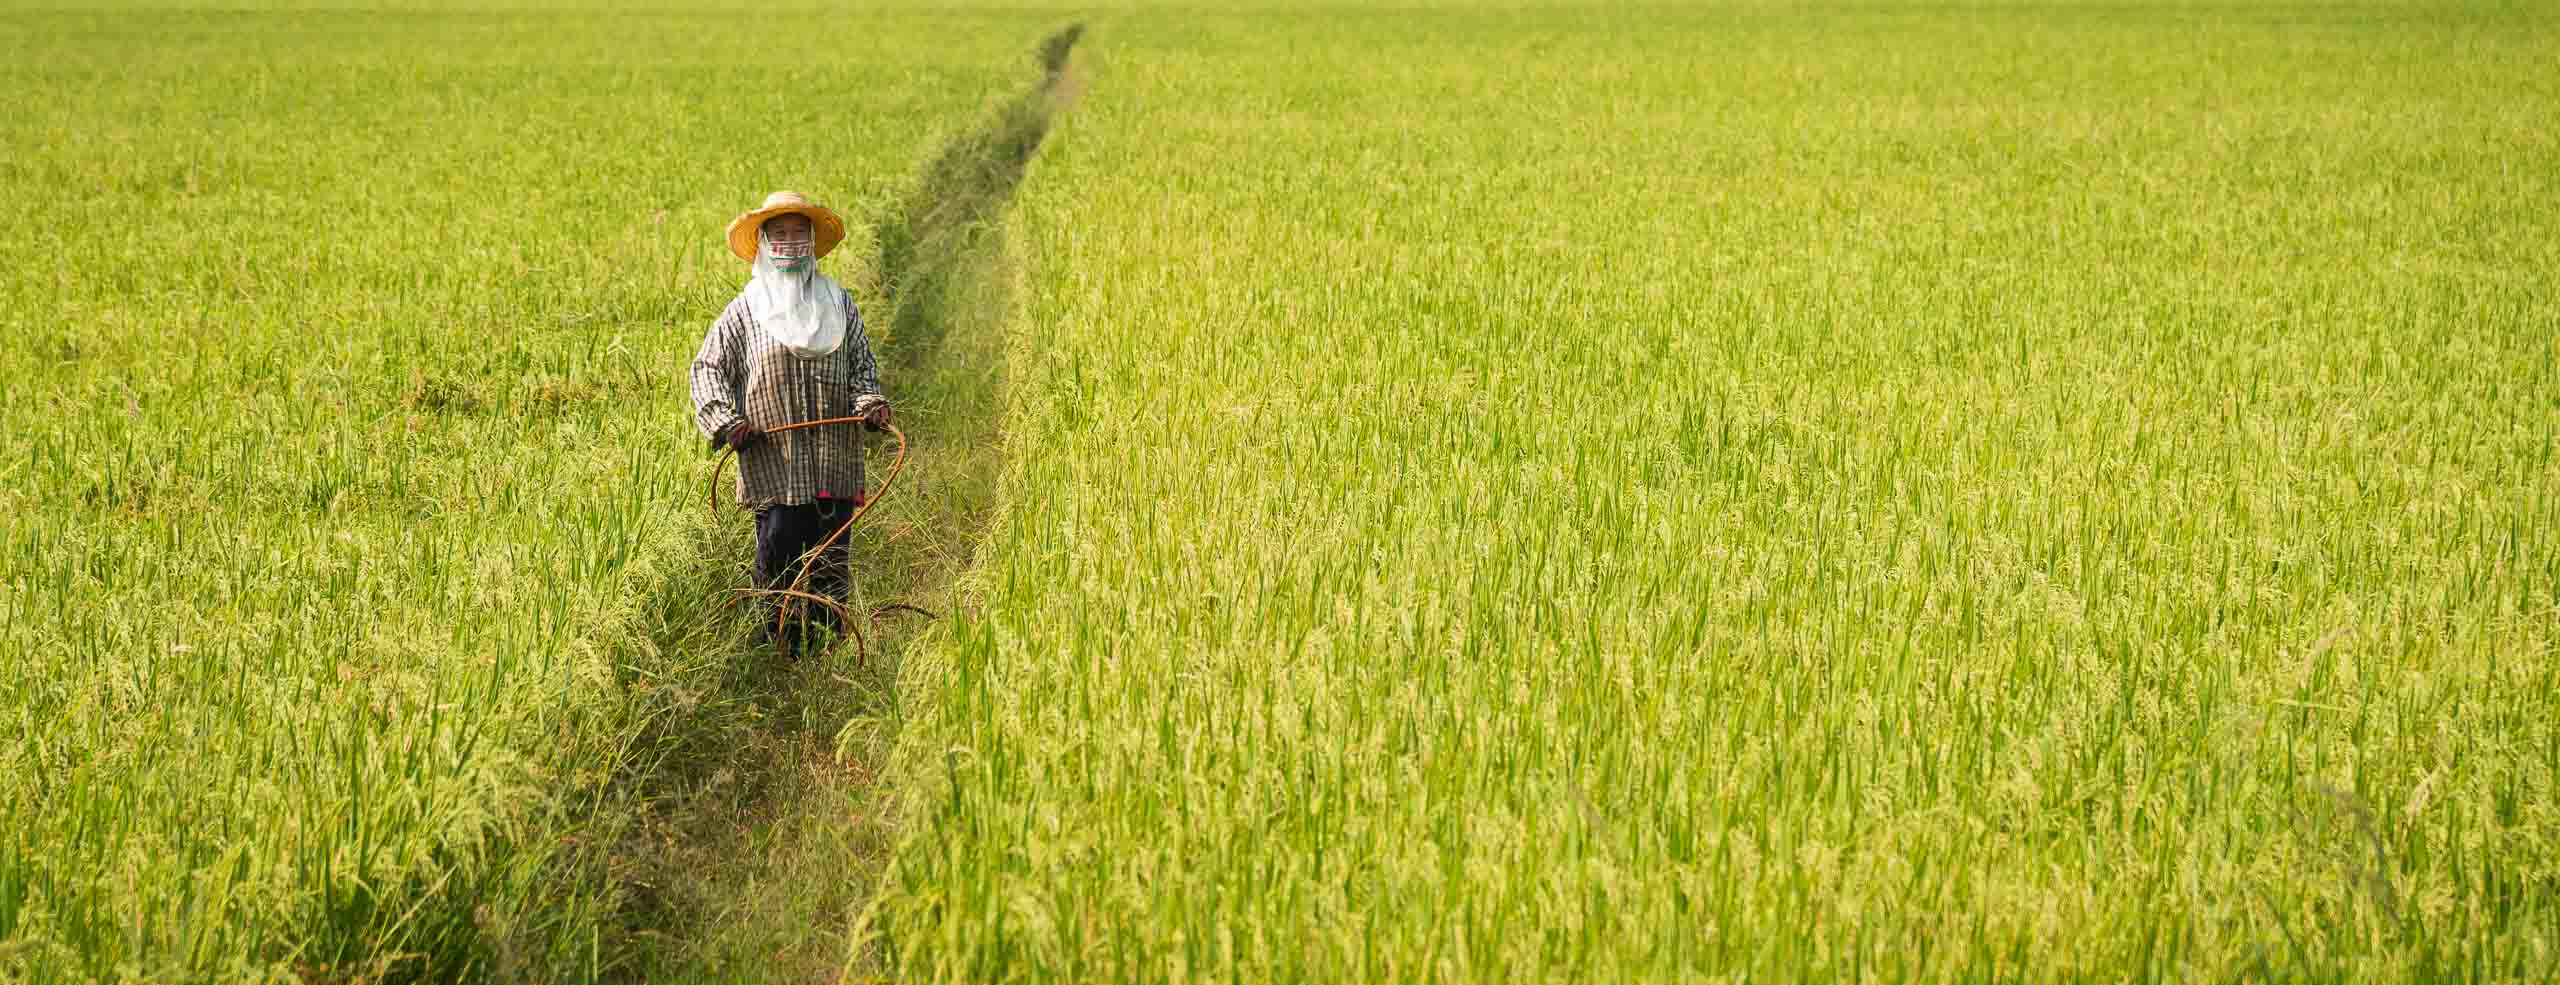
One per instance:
(798, 592)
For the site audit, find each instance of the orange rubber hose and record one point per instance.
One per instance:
(798, 591)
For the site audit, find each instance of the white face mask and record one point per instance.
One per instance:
(801, 308)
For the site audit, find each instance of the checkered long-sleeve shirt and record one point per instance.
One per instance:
(743, 372)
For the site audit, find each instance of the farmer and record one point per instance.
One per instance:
(789, 349)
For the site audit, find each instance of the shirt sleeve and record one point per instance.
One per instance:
(865, 379)
(716, 376)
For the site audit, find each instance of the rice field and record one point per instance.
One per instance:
(1767, 492)
(346, 459)
(1480, 492)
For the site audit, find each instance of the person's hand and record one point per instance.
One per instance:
(741, 436)
(877, 417)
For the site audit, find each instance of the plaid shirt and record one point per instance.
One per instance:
(742, 370)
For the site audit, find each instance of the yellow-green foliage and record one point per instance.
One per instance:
(342, 354)
(1638, 493)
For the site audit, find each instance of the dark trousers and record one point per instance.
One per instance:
(784, 535)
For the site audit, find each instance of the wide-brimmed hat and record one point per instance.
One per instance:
(823, 222)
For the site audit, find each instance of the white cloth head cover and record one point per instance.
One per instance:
(803, 311)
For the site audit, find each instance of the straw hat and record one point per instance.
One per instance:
(823, 223)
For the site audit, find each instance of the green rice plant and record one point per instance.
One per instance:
(348, 465)
(1751, 492)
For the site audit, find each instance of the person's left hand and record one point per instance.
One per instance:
(877, 417)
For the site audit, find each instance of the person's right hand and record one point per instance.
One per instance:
(741, 436)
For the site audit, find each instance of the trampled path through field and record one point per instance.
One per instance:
(754, 831)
